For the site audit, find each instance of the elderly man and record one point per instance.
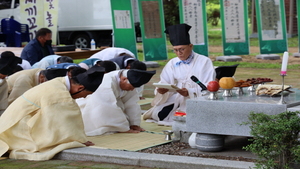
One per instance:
(8, 64)
(178, 71)
(46, 119)
(118, 111)
(39, 47)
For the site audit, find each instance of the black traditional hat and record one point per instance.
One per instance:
(8, 62)
(92, 78)
(139, 77)
(179, 34)
(53, 73)
(225, 71)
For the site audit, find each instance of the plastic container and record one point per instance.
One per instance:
(93, 44)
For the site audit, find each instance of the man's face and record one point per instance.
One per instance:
(183, 51)
(125, 85)
(43, 39)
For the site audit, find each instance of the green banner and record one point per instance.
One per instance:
(193, 13)
(271, 26)
(152, 29)
(235, 36)
(123, 25)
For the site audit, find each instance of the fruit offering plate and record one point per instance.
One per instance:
(272, 90)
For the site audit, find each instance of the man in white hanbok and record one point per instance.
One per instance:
(113, 107)
(112, 52)
(178, 71)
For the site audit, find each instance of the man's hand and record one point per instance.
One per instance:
(88, 143)
(162, 90)
(184, 92)
(138, 128)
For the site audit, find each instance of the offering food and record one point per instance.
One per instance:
(271, 90)
(259, 80)
(227, 82)
(242, 83)
(213, 86)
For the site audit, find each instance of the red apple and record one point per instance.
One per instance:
(213, 86)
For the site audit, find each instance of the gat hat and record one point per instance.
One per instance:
(53, 73)
(8, 62)
(92, 78)
(179, 34)
(225, 71)
(139, 77)
(63, 66)
(122, 61)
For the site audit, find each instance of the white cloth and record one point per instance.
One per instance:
(109, 108)
(46, 61)
(109, 53)
(25, 64)
(179, 75)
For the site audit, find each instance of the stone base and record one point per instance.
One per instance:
(232, 58)
(296, 55)
(209, 142)
(179, 129)
(268, 57)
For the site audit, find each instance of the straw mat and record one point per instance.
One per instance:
(153, 136)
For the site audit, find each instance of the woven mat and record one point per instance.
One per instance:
(153, 136)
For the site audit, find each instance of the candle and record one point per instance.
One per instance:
(284, 63)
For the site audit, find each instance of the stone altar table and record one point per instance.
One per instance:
(214, 119)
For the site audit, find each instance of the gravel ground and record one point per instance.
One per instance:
(178, 148)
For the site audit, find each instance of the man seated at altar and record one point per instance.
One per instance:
(178, 71)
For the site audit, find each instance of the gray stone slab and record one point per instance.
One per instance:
(296, 55)
(268, 57)
(149, 160)
(224, 116)
(151, 64)
(232, 58)
(179, 129)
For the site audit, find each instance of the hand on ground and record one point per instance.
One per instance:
(130, 131)
(138, 128)
(88, 143)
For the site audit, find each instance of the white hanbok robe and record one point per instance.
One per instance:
(110, 53)
(180, 75)
(109, 108)
(42, 122)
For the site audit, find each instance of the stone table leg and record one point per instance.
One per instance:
(209, 142)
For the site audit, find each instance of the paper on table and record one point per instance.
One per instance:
(166, 86)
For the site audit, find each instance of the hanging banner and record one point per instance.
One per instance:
(271, 26)
(123, 25)
(39, 14)
(234, 17)
(152, 28)
(298, 20)
(193, 13)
